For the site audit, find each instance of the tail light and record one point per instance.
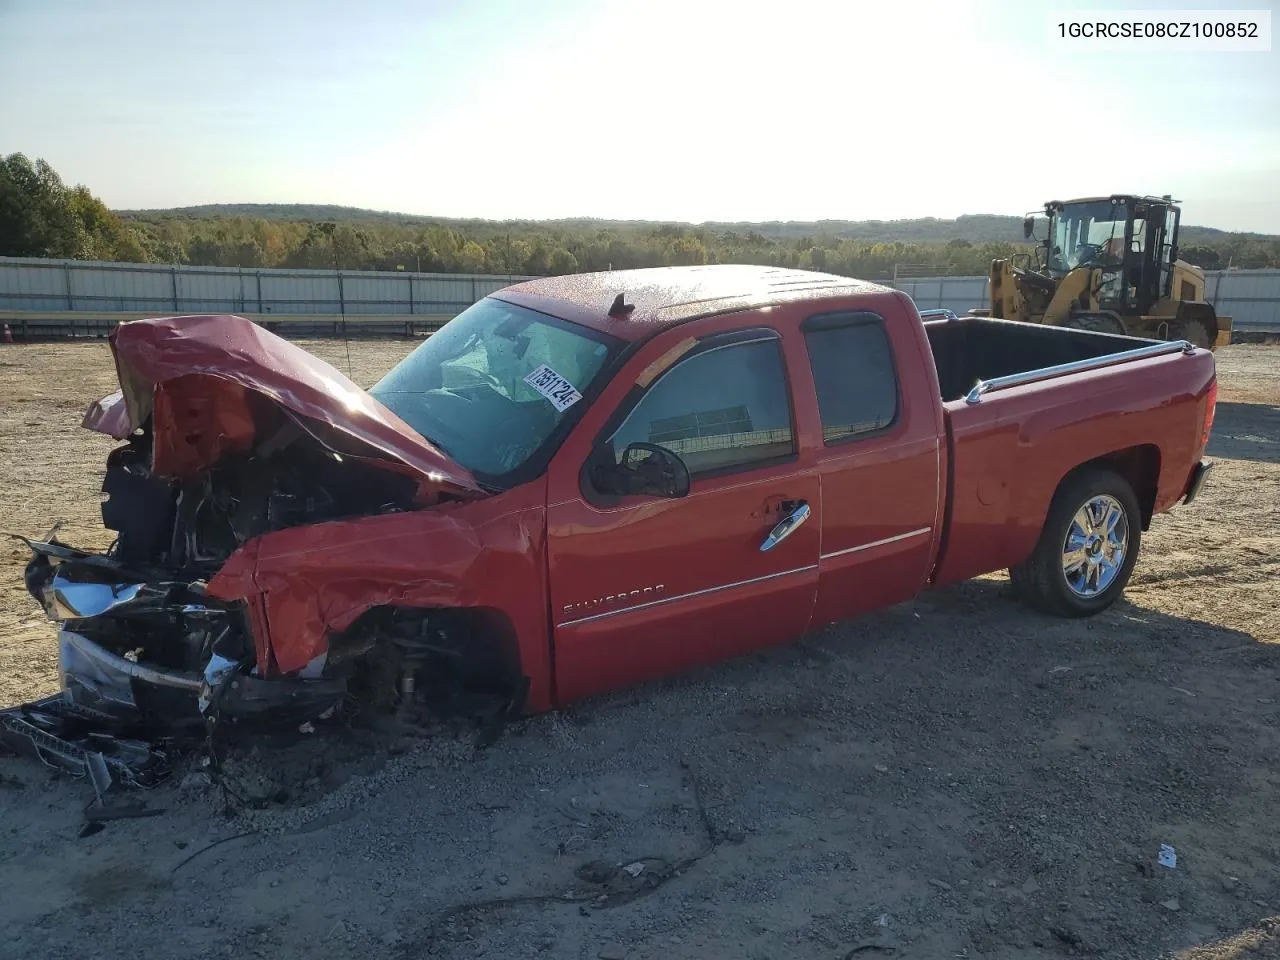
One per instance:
(1211, 403)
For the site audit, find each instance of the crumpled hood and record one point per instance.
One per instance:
(194, 376)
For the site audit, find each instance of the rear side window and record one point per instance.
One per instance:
(854, 375)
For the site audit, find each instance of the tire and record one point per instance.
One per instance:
(1088, 584)
(1194, 331)
(1096, 323)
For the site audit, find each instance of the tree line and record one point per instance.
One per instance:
(41, 216)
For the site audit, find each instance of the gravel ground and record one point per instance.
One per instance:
(955, 777)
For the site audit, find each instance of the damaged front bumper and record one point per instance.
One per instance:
(145, 662)
(134, 647)
(109, 686)
(103, 683)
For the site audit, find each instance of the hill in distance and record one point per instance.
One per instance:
(975, 228)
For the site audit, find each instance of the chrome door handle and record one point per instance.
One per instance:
(786, 526)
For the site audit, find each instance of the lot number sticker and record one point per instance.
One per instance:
(554, 387)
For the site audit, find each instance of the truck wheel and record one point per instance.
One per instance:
(1087, 548)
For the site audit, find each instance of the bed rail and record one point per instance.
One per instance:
(983, 387)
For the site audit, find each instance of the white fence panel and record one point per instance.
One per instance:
(31, 284)
(1250, 297)
(960, 294)
(35, 286)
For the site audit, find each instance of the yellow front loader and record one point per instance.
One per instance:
(1109, 264)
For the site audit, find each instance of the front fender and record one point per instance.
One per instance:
(304, 584)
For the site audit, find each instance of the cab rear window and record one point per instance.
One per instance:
(854, 375)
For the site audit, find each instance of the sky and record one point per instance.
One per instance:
(688, 110)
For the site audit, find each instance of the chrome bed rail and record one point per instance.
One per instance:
(983, 387)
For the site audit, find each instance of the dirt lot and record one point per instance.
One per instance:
(955, 777)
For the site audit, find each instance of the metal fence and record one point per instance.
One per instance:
(92, 296)
(1250, 297)
(30, 284)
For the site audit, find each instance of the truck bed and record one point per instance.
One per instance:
(969, 349)
(1011, 441)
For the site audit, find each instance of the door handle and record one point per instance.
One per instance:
(786, 526)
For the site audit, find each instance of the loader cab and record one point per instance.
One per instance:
(1133, 240)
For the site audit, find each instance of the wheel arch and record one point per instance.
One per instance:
(1138, 465)
(476, 648)
(1039, 579)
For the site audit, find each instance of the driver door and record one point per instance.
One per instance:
(645, 585)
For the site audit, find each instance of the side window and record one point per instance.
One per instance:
(726, 406)
(1139, 235)
(854, 376)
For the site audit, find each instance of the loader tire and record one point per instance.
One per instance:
(1087, 547)
(1195, 331)
(1096, 323)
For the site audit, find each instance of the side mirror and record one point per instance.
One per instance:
(645, 469)
(1028, 227)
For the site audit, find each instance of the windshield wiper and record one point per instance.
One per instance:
(438, 445)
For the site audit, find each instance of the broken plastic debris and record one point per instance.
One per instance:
(634, 870)
(217, 671)
(307, 727)
(51, 731)
(882, 920)
(1168, 857)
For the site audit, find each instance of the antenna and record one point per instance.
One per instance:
(342, 306)
(328, 229)
(620, 309)
(346, 343)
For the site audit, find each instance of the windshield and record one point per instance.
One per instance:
(1087, 233)
(493, 384)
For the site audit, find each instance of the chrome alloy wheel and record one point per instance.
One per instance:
(1095, 547)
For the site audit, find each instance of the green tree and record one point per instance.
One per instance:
(471, 258)
(41, 216)
(35, 220)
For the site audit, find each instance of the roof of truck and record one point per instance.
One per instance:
(663, 296)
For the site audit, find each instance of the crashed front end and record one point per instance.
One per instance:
(230, 434)
(149, 652)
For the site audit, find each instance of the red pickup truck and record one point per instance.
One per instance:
(585, 481)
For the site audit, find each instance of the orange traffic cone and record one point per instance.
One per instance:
(8, 334)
